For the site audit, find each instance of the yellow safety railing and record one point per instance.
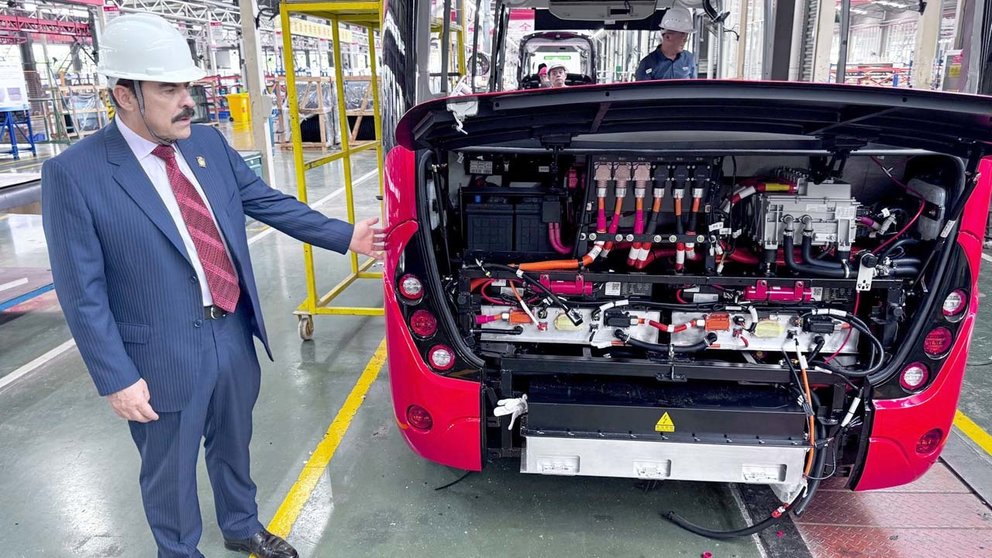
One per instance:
(362, 14)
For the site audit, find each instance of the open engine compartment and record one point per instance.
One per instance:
(733, 257)
(719, 285)
(727, 281)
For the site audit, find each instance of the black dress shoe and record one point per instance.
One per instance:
(262, 544)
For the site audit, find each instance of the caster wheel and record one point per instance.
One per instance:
(306, 328)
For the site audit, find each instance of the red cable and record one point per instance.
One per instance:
(923, 204)
(877, 250)
(488, 298)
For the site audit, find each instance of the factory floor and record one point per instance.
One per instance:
(334, 473)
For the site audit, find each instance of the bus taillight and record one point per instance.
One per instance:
(930, 441)
(441, 357)
(914, 376)
(411, 288)
(423, 324)
(419, 418)
(938, 342)
(954, 305)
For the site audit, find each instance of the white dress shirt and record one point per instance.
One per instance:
(155, 169)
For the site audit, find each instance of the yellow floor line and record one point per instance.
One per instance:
(4, 216)
(973, 431)
(291, 506)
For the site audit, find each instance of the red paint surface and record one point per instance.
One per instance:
(455, 405)
(898, 424)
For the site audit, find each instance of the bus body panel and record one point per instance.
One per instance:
(453, 404)
(892, 459)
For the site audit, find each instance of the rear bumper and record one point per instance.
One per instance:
(898, 424)
(659, 460)
(456, 437)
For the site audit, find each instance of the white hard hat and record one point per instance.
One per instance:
(677, 18)
(146, 47)
(557, 65)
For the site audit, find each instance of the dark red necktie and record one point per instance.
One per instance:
(221, 278)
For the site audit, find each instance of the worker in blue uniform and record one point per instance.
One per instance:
(670, 60)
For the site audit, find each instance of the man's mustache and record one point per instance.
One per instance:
(187, 112)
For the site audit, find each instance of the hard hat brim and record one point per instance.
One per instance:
(178, 76)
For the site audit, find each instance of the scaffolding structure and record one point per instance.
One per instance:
(368, 16)
(451, 40)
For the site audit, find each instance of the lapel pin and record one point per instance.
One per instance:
(201, 161)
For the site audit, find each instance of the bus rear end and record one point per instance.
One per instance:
(708, 281)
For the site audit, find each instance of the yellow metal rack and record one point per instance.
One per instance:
(362, 14)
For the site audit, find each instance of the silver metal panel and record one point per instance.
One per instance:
(729, 341)
(663, 460)
(557, 328)
(833, 211)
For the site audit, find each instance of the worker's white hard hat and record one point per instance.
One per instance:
(557, 65)
(677, 18)
(146, 47)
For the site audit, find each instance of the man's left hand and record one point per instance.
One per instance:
(367, 239)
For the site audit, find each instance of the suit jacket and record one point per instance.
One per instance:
(121, 271)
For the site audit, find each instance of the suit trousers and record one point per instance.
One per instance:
(220, 414)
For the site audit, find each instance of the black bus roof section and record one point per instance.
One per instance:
(828, 114)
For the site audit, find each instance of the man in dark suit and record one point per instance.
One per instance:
(145, 228)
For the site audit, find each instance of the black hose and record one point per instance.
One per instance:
(516, 330)
(819, 463)
(897, 244)
(798, 505)
(722, 535)
(820, 342)
(808, 255)
(652, 224)
(788, 246)
(692, 219)
(662, 348)
(877, 357)
(906, 271)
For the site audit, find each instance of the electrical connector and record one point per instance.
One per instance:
(850, 411)
(574, 316)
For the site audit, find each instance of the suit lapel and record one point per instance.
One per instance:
(132, 178)
(194, 153)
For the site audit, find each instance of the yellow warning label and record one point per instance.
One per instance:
(664, 424)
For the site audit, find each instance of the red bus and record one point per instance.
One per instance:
(759, 282)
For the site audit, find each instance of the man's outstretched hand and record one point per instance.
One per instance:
(367, 239)
(131, 403)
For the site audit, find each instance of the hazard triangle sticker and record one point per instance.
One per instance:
(664, 424)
